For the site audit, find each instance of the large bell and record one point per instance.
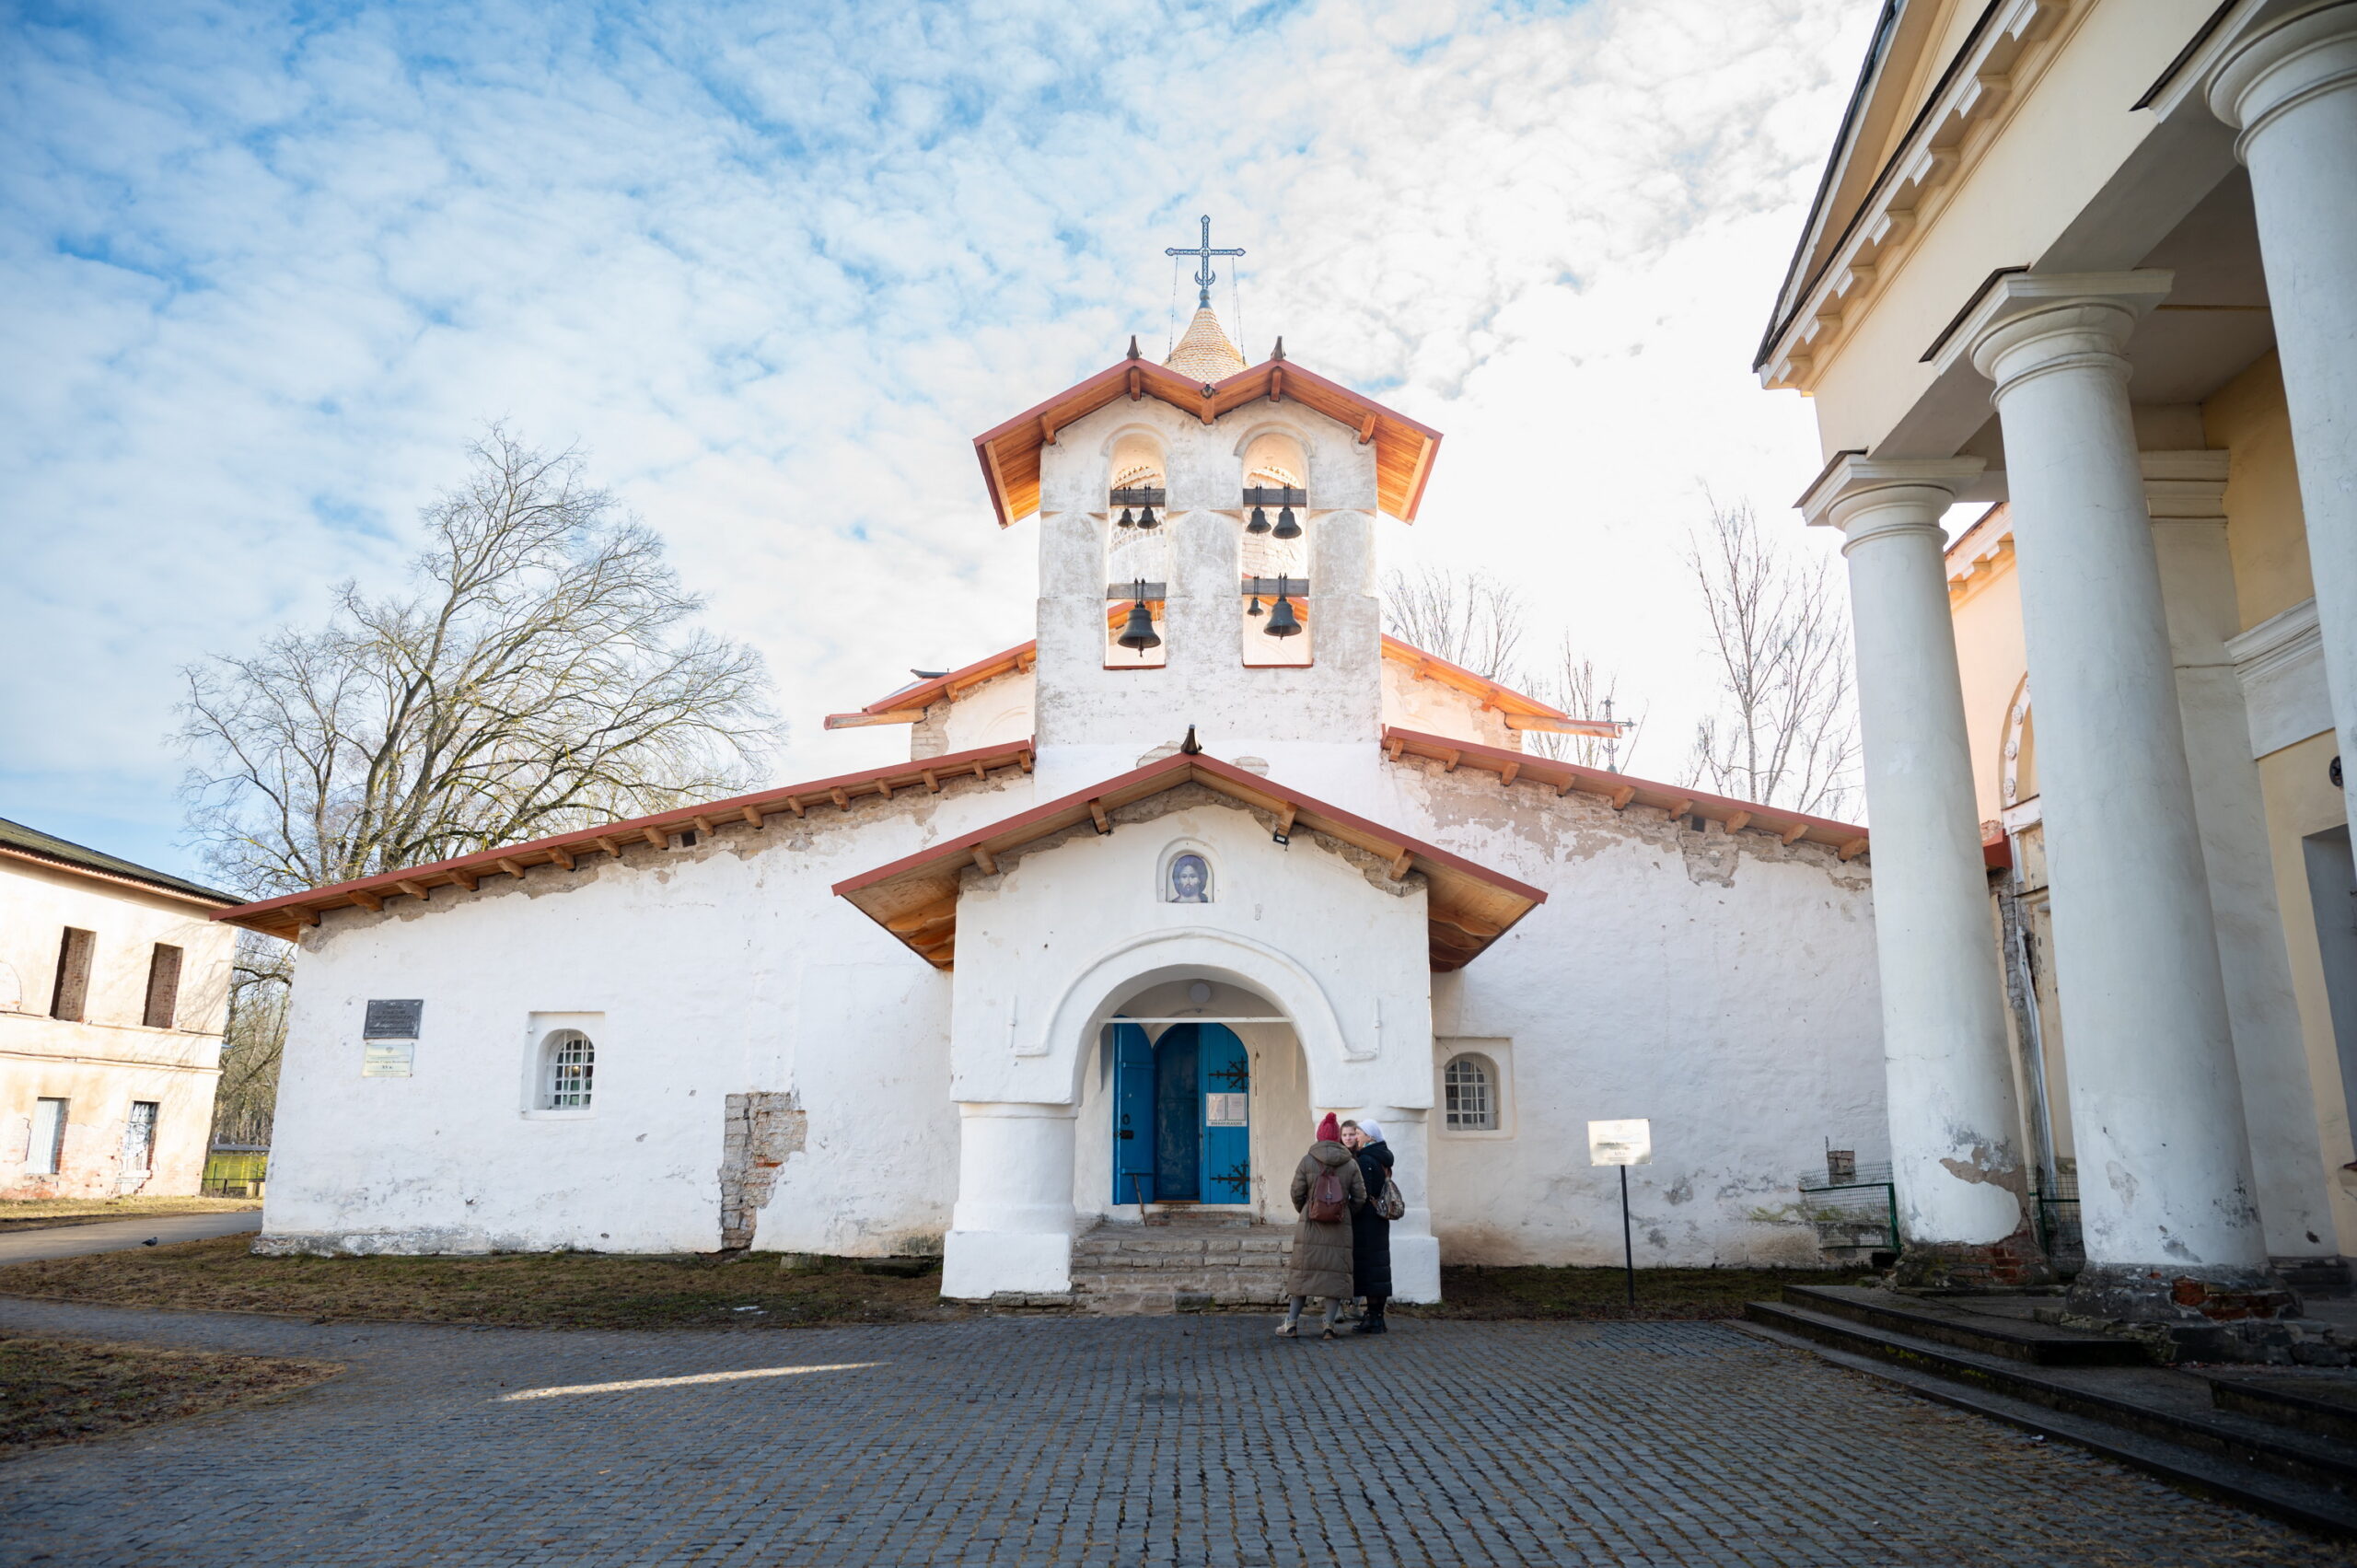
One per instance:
(1287, 527)
(1259, 523)
(1282, 623)
(1146, 520)
(1127, 520)
(1139, 633)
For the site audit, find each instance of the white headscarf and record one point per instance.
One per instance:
(1372, 1129)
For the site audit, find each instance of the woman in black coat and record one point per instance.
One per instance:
(1370, 1232)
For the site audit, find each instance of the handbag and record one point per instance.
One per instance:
(1391, 1205)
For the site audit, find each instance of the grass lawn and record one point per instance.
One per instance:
(591, 1290)
(554, 1290)
(42, 1214)
(64, 1390)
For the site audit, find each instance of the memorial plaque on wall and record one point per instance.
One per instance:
(393, 1020)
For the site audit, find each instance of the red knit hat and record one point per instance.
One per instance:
(1330, 1131)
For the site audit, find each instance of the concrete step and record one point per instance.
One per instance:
(2216, 1449)
(2306, 1505)
(2322, 1404)
(1930, 1319)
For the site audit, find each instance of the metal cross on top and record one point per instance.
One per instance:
(1204, 276)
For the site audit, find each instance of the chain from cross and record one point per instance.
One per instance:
(1204, 276)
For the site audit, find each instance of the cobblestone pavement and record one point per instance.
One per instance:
(1131, 1441)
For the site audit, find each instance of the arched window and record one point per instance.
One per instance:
(568, 1058)
(1469, 1095)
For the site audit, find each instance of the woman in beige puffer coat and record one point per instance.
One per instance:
(1321, 1250)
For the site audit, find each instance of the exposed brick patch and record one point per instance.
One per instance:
(2016, 1260)
(763, 1128)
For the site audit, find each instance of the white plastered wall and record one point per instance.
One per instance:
(1723, 987)
(724, 969)
(1060, 939)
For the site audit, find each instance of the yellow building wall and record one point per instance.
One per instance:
(2266, 531)
(1986, 612)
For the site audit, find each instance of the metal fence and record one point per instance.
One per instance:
(235, 1170)
(1855, 1207)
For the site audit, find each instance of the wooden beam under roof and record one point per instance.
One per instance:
(1010, 453)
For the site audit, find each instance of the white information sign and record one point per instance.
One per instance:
(388, 1058)
(1224, 1111)
(1620, 1143)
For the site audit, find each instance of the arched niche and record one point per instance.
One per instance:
(1094, 994)
(1135, 460)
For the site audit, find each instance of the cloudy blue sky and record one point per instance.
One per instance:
(266, 268)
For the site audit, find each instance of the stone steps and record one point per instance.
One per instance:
(1185, 1264)
(2169, 1423)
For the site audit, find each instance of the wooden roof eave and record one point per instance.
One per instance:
(1403, 444)
(1846, 839)
(289, 914)
(908, 893)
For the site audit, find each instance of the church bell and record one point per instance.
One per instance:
(1259, 523)
(1127, 520)
(1146, 520)
(1139, 633)
(1282, 621)
(1287, 527)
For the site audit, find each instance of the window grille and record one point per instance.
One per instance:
(1469, 1096)
(572, 1058)
(139, 1137)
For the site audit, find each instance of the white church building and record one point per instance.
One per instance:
(1151, 893)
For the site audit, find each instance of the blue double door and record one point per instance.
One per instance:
(1181, 1116)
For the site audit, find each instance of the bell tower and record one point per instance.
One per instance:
(1207, 559)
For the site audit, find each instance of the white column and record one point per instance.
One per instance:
(2186, 492)
(2165, 1182)
(2293, 92)
(1954, 1120)
(1415, 1252)
(1011, 1231)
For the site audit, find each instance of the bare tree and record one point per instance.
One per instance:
(246, 1092)
(537, 676)
(1470, 620)
(1786, 732)
(1579, 688)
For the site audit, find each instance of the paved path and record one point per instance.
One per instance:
(115, 1236)
(120, 1233)
(1136, 1441)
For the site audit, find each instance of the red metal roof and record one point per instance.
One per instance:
(288, 914)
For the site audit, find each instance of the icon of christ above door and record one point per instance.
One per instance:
(1182, 1126)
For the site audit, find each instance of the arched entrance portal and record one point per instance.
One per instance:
(1182, 1120)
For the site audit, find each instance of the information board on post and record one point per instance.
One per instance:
(1620, 1143)
(1623, 1143)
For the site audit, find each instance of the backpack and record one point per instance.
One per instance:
(1392, 1204)
(1329, 1198)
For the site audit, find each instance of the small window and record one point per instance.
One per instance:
(1469, 1095)
(46, 1156)
(73, 990)
(570, 1059)
(162, 986)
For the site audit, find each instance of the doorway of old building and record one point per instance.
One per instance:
(1182, 1128)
